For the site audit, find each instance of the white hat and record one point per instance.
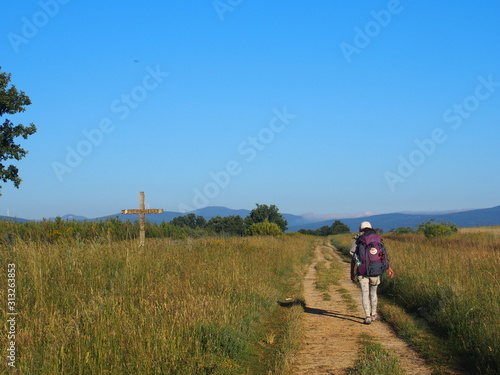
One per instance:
(365, 225)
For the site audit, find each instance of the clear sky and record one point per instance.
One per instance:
(325, 107)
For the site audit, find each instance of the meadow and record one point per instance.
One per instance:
(450, 283)
(90, 301)
(176, 306)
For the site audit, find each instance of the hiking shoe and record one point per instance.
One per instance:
(368, 320)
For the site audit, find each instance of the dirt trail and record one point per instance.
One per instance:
(331, 331)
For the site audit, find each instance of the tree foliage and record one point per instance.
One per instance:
(264, 228)
(235, 225)
(403, 230)
(264, 212)
(229, 225)
(12, 101)
(337, 227)
(433, 229)
(190, 220)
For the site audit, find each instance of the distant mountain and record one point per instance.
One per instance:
(153, 218)
(210, 212)
(71, 217)
(471, 218)
(207, 213)
(213, 211)
(14, 219)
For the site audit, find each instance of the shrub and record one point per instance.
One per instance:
(403, 230)
(265, 212)
(264, 228)
(431, 229)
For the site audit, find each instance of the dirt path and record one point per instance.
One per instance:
(331, 331)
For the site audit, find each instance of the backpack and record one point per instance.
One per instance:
(372, 254)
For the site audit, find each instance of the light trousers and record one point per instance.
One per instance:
(369, 297)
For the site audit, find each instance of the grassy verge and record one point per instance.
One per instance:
(342, 243)
(374, 359)
(194, 306)
(451, 285)
(417, 333)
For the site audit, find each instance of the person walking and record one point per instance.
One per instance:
(371, 261)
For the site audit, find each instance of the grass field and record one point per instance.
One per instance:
(193, 306)
(453, 283)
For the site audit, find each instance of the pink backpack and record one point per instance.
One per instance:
(372, 254)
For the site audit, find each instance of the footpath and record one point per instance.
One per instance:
(331, 329)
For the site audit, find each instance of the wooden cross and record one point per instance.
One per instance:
(142, 211)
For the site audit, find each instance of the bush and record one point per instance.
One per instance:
(432, 229)
(265, 212)
(403, 230)
(230, 225)
(264, 228)
(337, 227)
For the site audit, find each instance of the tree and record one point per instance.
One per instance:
(339, 227)
(230, 225)
(325, 230)
(12, 101)
(190, 220)
(263, 212)
(307, 231)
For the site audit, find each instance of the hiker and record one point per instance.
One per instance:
(370, 256)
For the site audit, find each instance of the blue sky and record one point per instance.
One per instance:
(324, 107)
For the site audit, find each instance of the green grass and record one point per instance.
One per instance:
(374, 359)
(450, 283)
(328, 273)
(347, 298)
(194, 306)
(326, 297)
(416, 332)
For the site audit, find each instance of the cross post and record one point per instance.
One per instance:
(142, 211)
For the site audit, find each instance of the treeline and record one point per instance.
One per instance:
(337, 227)
(430, 229)
(263, 220)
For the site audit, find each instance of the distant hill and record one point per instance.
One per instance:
(15, 219)
(207, 213)
(71, 217)
(471, 218)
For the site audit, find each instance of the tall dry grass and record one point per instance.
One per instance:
(453, 282)
(203, 306)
